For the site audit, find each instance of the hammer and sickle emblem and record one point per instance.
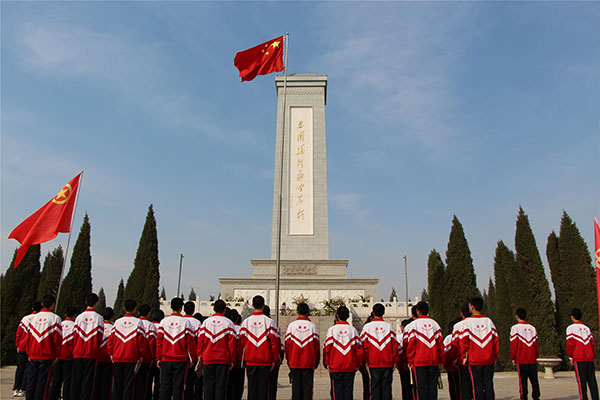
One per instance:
(63, 195)
(598, 258)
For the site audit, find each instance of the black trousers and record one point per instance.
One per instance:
(426, 381)
(83, 377)
(140, 383)
(215, 381)
(466, 386)
(172, 379)
(302, 383)
(525, 372)
(154, 382)
(258, 382)
(482, 378)
(103, 384)
(38, 379)
(407, 388)
(381, 383)
(20, 379)
(190, 384)
(342, 385)
(584, 371)
(235, 388)
(366, 382)
(61, 378)
(273, 376)
(123, 381)
(454, 385)
(199, 387)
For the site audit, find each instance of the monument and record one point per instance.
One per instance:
(306, 270)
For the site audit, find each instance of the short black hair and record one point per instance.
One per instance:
(37, 306)
(238, 318)
(452, 323)
(71, 312)
(47, 301)
(577, 314)
(267, 311)
(343, 313)
(464, 310)
(144, 310)
(91, 299)
(189, 307)
(198, 316)
(219, 306)
(229, 314)
(258, 302)
(405, 322)
(477, 303)
(521, 313)
(176, 303)
(157, 315)
(130, 305)
(413, 311)
(378, 310)
(108, 313)
(303, 309)
(423, 307)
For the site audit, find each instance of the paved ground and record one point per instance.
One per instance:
(506, 386)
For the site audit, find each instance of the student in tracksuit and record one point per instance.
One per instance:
(407, 387)
(154, 381)
(450, 363)
(580, 349)
(190, 380)
(302, 350)
(261, 345)
(44, 339)
(174, 348)
(274, 373)
(466, 387)
(524, 351)
(142, 378)
(87, 340)
(342, 355)
(425, 352)
(381, 351)
(22, 358)
(62, 370)
(126, 345)
(104, 367)
(479, 350)
(217, 351)
(236, 375)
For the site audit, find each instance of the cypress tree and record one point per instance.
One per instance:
(484, 310)
(101, 301)
(540, 309)
(393, 294)
(424, 295)
(491, 301)
(78, 282)
(192, 296)
(572, 274)
(142, 284)
(50, 277)
(504, 313)
(460, 280)
(436, 288)
(18, 292)
(163, 294)
(120, 299)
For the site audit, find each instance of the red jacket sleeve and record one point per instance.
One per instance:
(463, 345)
(396, 349)
(440, 348)
(159, 343)
(496, 347)
(317, 345)
(57, 338)
(360, 352)
(201, 343)
(326, 354)
(275, 343)
(192, 345)
(19, 336)
(411, 348)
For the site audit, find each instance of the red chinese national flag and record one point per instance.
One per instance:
(260, 60)
(48, 221)
(597, 242)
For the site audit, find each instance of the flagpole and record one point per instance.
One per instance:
(62, 271)
(278, 251)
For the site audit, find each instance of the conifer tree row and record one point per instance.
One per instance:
(18, 292)
(142, 284)
(50, 276)
(540, 309)
(78, 282)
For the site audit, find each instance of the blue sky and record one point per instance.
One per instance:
(433, 109)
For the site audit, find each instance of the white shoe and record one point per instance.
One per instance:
(21, 393)
(16, 393)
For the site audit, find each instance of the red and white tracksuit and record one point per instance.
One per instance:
(175, 341)
(380, 345)
(103, 355)
(44, 336)
(88, 334)
(150, 332)
(302, 346)
(342, 351)
(217, 341)
(524, 348)
(127, 342)
(457, 334)
(195, 327)
(21, 335)
(66, 349)
(259, 340)
(479, 341)
(580, 342)
(425, 345)
(450, 355)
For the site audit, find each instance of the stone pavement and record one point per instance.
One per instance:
(505, 383)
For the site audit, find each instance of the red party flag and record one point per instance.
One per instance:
(260, 60)
(48, 221)
(597, 240)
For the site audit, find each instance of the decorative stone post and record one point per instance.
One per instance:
(549, 363)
